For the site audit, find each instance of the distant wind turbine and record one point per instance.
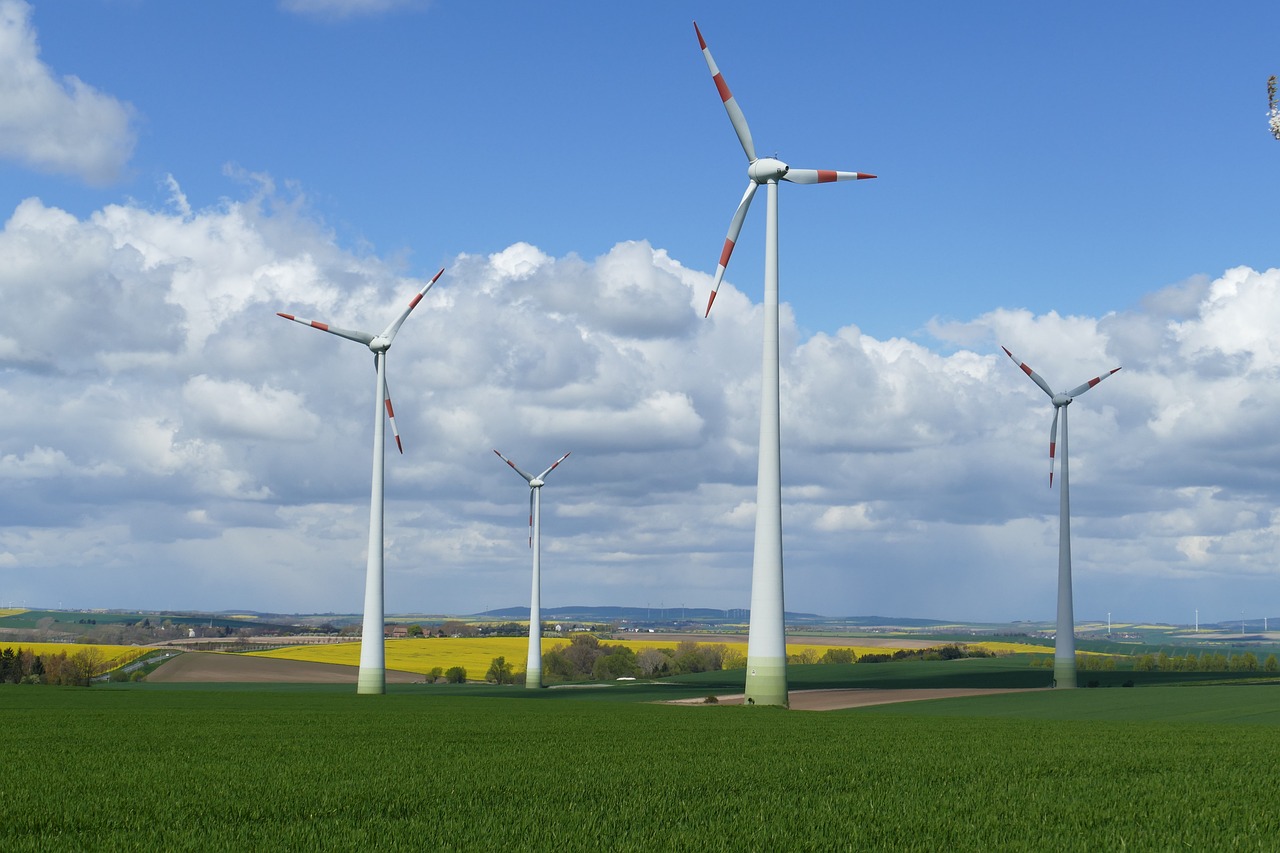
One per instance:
(1064, 648)
(533, 667)
(766, 641)
(373, 668)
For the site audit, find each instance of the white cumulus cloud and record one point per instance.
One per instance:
(158, 418)
(52, 123)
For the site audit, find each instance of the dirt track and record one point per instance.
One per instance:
(214, 667)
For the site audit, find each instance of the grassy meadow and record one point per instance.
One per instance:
(475, 767)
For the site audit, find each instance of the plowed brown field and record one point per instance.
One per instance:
(212, 666)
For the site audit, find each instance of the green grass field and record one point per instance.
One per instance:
(481, 768)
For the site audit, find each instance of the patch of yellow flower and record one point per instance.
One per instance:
(475, 654)
(11, 611)
(114, 655)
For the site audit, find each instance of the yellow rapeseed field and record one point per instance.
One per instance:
(472, 654)
(116, 655)
(11, 611)
(476, 654)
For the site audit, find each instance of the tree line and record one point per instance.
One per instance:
(586, 657)
(1164, 662)
(24, 666)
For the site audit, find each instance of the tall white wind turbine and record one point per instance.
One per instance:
(533, 666)
(373, 666)
(766, 642)
(1064, 644)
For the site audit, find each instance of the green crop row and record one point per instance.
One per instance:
(470, 769)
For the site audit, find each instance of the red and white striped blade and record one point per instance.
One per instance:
(391, 414)
(1035, 377)
(527, 478)
(1076, 392)
(735, 228)
(391, 331)
(543, 475)
(358, 337)
(736, 117)
(1053, 442)
(822, 176)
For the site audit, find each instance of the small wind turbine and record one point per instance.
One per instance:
(373, 668)
(1064, 648)
(533, 666)
(766, 638)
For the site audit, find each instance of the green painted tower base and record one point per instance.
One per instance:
(766, 682)
(1064, 673)
(372, 681)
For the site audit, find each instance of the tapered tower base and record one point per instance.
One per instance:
(1064, 673)
(767, 682)
(533, 679)
(371, 681)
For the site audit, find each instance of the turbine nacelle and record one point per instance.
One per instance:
(767, 169)
(1060, 400)
(535, 483)
(380, 343)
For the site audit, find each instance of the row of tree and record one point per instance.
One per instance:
(1164, 662)
(586, 657)
(1205, 662)
(951, 651)
(23, 666)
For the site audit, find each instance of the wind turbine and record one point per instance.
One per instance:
(1064, 647)
(373, 668)
(766, 639)
(533, 667)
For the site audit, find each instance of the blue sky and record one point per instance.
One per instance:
(1076, 182)
(1053, 158)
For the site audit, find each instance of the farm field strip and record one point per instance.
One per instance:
(476, 654)
(116, 655)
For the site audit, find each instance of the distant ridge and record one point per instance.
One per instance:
(586, 613)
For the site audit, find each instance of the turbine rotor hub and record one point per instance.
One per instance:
(379, 344)
(535, 483)
(1060, 400)
(766, 169)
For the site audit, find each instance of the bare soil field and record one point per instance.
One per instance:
(211, 666)
(833, 700)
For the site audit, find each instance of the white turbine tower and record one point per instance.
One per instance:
(373, 667)
(533, 666)
(766, 641)
(1064, 647)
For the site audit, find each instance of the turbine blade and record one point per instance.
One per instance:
(1076, 392)
(1053, 443)
(822, 176)
(358, 337)
(527, 478)
(544, 474)
(391, 413)
(736, 117)
(394, 328)
(531, 518)
(735, 228)
(1035, 377)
